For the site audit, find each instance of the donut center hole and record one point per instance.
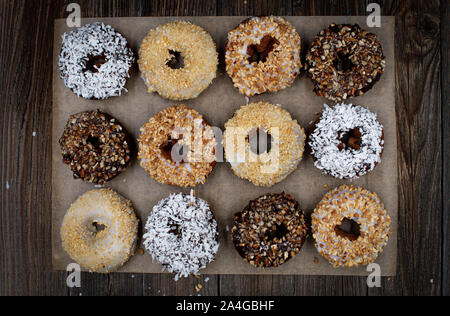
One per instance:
(177, 60)
(348, 229)
(173, 151)
(94, 141)
(259, 52)
(277, 231)
(260, 141)
(94, 63)
(97, 227)
(350, 139)
(175, 229)
(342, 63)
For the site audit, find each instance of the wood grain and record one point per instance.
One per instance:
(423, 116)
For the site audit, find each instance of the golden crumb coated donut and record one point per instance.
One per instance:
(262, 55)
(177, 147)
(178, 60)
(364, 213)
(281, 156)
(99, 231)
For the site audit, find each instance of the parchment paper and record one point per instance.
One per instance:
(226, 193)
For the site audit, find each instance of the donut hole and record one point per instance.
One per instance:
(94, 141)
(260, 141)
(259, 52)
(177, 60)
(174, 151)
(350, 139)
(277, 232)
(97, 227)
(175, 229)
(94, 62)
(342, 63)
(348, 229)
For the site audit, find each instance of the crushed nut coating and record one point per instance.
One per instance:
(344, 61)
(95, 146)
(270, 230)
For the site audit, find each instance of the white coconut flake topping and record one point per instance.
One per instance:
(95, 41)
(348, 163)
(181, 234)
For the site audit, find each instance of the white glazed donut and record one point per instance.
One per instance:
(182, 234)
(99, 231)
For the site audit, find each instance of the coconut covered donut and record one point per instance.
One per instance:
(95, 61)
(177, 147)
(262, 55)
(263, 143)
(181, 234)
(347, 141)
(344, 61)
(99, 231)
(178, 60)
(270, 230)
(366, 231)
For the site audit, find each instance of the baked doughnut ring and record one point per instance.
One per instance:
(282, 153)
(364, 212)
(177, 147)
(178, 60)
(262, 55)
(99, 231)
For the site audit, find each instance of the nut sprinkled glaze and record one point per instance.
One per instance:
(262, 55)
(95, 146)
(287, 143)
(99, 231)
(344, 61)
(175, 130)
(270, 230)
(364, 209)
(178, 60)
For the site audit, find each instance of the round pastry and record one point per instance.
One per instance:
(177, 147)
(99, 231)
(178, 60)
(262, 55)
(344, 61)
(95, 61)
(347, 141)
(95, 146)
(350, 226)
(182, 234)
(270, 230)
(263, 143)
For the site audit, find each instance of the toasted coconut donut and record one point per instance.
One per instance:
(344, 61)
(178, 60)
(347, 141)
(182, 234)
(364, 212)
(177, 147)
(95, 61)
(95, 146)
(99, 231)
(263, 55)
(270, 230)
(263, 166)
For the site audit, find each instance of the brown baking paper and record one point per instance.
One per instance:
(226, 193)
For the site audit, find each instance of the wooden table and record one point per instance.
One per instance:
(423, 116)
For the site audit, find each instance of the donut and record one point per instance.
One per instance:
(95, 146)
(177, 147)
(178, 60)
(347, 141)
(350, 226)
(344, 61)
(270, 230)
(262, 55)
(181, 234)
(95, 61)
(279, 155)
(99, 231)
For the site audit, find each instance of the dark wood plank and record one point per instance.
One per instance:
(445, 55)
